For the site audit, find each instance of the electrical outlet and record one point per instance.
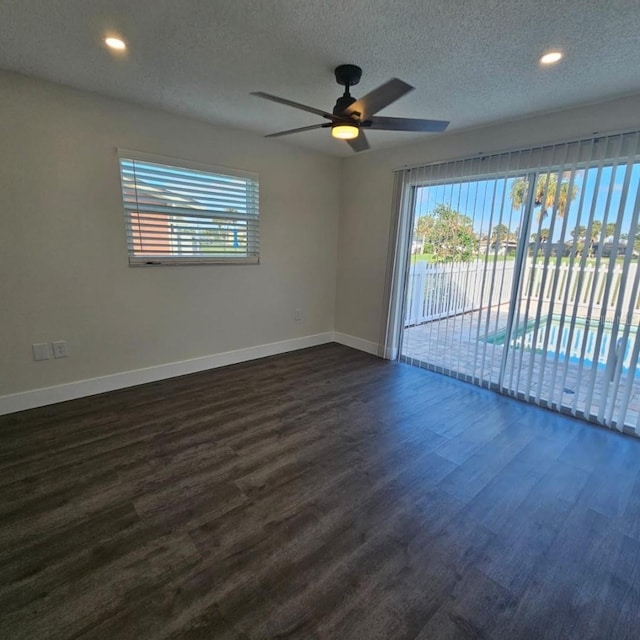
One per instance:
(41, 351)
(298, 315)
(60, 349)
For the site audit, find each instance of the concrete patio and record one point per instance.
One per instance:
(458, 346)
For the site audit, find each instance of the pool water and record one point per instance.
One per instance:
(585, 335)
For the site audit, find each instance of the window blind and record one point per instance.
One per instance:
(177, 214)
(522, 274)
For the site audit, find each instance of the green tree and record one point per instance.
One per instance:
(596, 230)
(598, 234)
(543, 234)
(500, 233)
(545, 194)
(579, 235)
(222, 235)
(579, 232)
(448, 235)
(423, 230)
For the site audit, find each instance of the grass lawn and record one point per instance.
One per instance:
(590, 262)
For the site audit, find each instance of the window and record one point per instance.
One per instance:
(183, 213)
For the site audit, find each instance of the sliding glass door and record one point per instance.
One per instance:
(524, 275)
(461, 276)
(573, 342)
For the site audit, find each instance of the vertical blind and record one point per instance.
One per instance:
(177, 214)
(523, 273)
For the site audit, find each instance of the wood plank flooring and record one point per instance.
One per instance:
(319, 494)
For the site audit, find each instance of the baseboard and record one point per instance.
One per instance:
(391, 353)
(357, 343)
(82, 388)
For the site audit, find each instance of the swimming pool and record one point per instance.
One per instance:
(584, 337)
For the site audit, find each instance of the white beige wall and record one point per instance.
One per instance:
(325, 231)
(63, 260)
(367, 183)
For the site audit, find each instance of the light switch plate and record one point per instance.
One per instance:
(41, 351)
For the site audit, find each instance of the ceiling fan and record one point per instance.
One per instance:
(350, 117)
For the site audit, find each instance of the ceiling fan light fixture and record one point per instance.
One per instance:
(345, 131)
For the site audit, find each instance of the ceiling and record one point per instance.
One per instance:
(471, 62)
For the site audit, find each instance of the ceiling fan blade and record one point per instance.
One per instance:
(407, 124)
(360, 143)
(295, 105)
(379, 98)
(299, 130)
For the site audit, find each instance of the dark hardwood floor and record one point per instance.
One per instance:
(319, 494)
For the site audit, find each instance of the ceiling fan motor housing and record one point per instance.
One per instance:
(341, 105)
(348, 75)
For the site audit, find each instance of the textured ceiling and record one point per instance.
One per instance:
(471, 62)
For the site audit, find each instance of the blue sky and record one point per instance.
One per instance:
(479, 198)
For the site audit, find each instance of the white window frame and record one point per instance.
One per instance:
(251, 217)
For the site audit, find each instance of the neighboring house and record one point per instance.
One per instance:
(609, 246)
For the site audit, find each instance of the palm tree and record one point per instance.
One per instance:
(543, 234)
(545, 194)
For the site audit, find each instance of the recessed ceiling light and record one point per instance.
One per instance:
(115, 43)
(551, 57)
